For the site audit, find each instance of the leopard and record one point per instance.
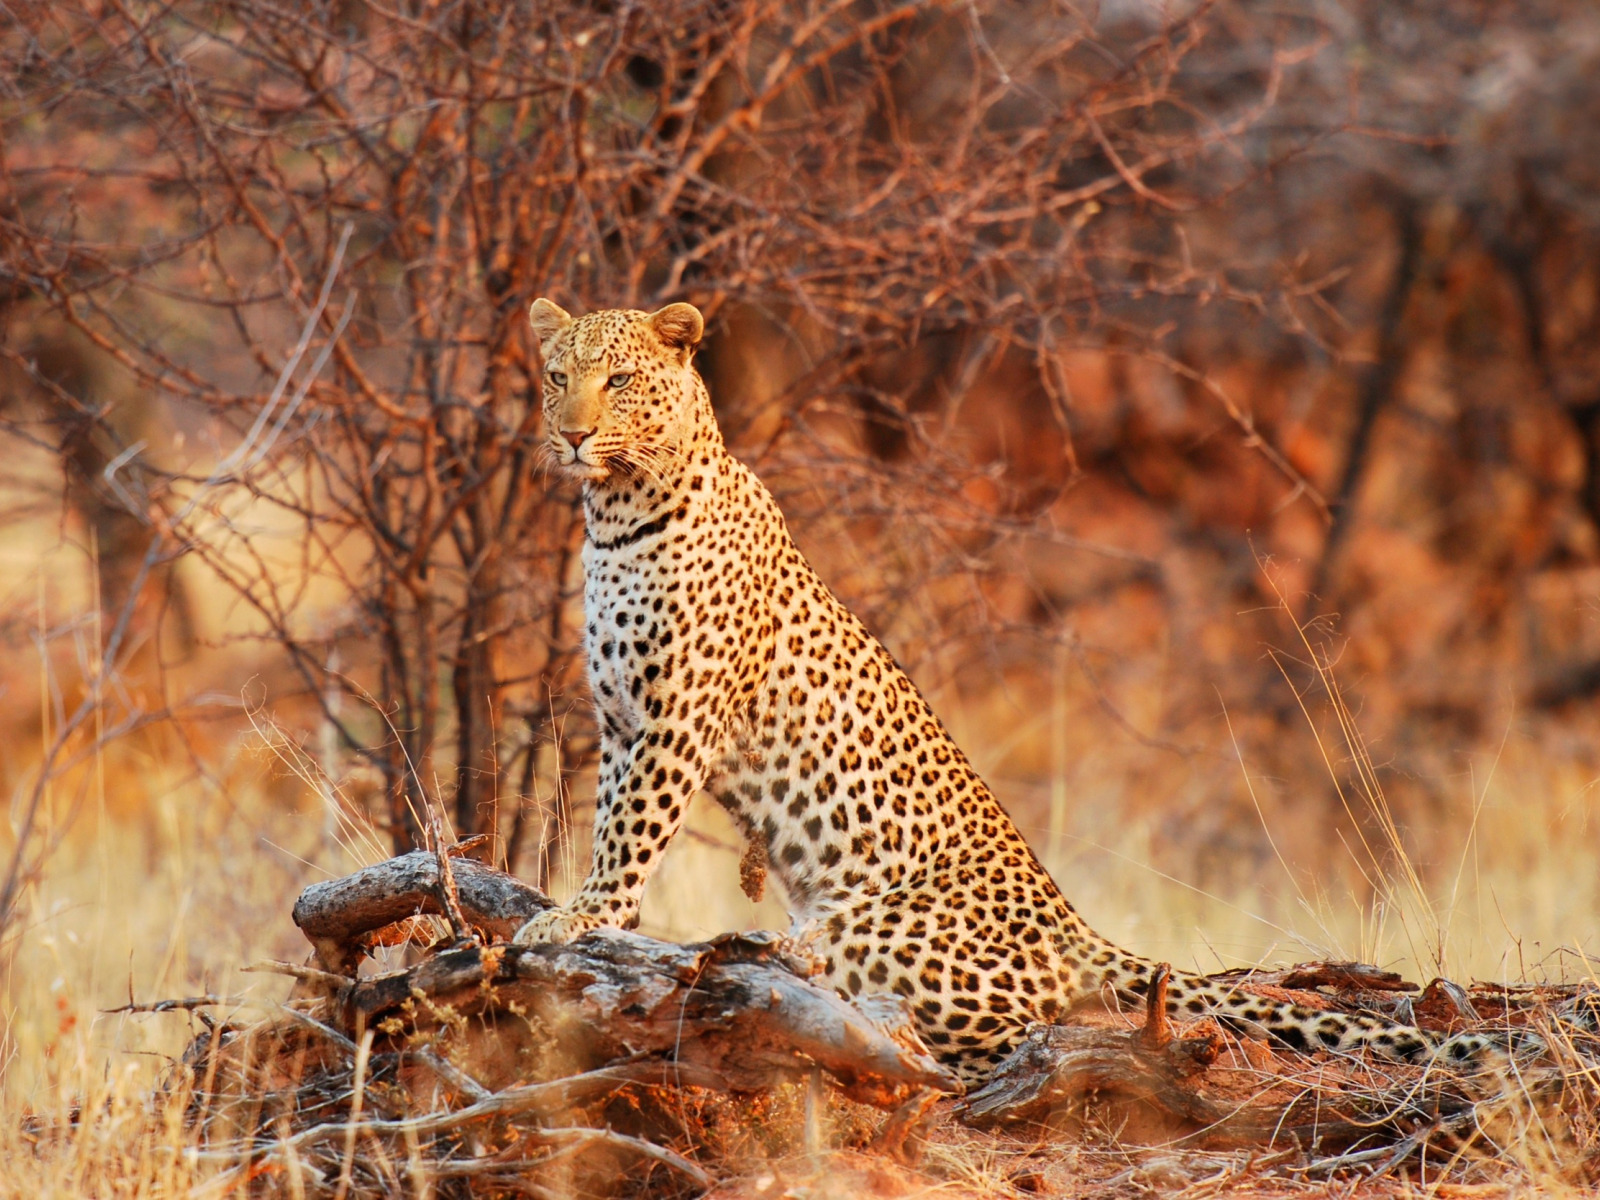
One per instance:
(720, 662)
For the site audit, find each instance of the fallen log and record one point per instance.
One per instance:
(341, 916)
(737, 1013)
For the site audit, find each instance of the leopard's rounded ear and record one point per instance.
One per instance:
(548, 320)
(679, 325)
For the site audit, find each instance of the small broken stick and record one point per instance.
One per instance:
(449, 895)
(474, 847)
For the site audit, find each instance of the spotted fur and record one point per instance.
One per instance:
(720, 660)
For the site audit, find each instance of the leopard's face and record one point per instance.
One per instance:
(618, 387)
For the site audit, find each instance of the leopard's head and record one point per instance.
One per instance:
(619, 388)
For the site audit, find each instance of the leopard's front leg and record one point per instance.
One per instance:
(643, 795)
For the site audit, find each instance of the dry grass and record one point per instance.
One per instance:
(175, 901)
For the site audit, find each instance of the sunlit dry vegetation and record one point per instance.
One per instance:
(1202, 401)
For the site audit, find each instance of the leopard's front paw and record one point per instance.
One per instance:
(556, 926)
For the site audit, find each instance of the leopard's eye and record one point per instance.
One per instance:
(559, 378)
(619, 380)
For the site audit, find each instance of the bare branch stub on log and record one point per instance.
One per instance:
(1157, 1031)
(448, 895)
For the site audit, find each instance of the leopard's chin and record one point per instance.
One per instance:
(586, 472)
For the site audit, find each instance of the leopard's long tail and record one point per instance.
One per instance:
(1307, 1029)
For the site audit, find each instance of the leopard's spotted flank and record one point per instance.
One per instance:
(719, 660)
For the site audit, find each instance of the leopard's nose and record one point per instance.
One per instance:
(576, 436)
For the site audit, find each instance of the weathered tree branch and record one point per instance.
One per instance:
(738, 1010)
(339, 915)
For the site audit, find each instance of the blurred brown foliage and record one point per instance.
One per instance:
(1049, 324)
